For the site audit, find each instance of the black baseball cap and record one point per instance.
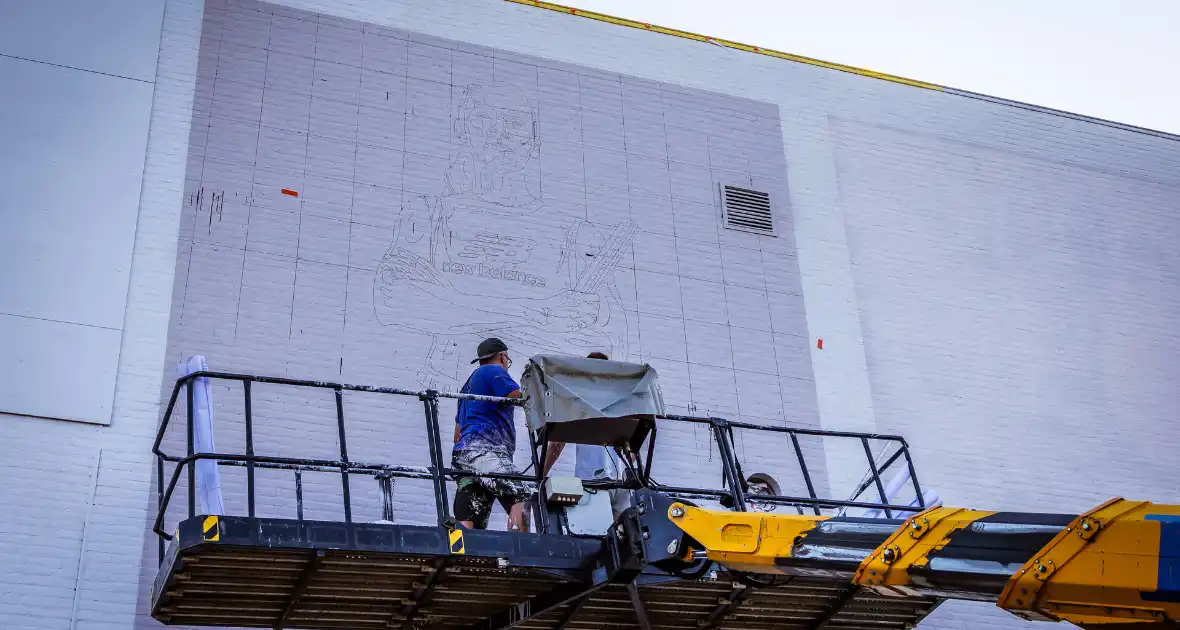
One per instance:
(488, 348)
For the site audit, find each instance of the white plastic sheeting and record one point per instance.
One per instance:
(208, 477)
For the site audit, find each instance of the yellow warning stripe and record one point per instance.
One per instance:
(456, 539)
(210, 529)
(602, 17)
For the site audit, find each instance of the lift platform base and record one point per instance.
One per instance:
(272, 573)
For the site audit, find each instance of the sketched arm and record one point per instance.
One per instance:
(409, 259)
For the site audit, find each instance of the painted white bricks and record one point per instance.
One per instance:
(994, 283)
(1023, 341)
(72, 492)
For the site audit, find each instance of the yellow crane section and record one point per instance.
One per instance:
(1115, 564)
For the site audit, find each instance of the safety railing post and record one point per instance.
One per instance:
(160, 499)
(651, 452)
(535, 444)
(905, 448)
(192, 468)
(737, 462)
(298, 494)
(540, 441)
(433, 434)
(385, 481)
(249, 448)
(343, 454)
(876, 477)
(806, 474)
(721, 433)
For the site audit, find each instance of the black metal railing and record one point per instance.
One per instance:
(734, 493)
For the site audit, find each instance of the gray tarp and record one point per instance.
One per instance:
(590, 401)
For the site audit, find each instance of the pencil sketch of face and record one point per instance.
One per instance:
(497, 125)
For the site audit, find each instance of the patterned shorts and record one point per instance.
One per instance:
(474, 498)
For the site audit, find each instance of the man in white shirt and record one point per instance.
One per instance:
(593, 462)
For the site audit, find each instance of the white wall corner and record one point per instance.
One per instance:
(841, 374)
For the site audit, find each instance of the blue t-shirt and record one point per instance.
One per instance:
(487, 425)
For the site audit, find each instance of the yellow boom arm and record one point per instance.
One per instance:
(1118, 563)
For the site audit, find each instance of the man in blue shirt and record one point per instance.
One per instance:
(485, 439)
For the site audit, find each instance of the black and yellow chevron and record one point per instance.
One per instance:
(211, 529)
(456, 536)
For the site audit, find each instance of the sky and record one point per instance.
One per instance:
(1113, 60)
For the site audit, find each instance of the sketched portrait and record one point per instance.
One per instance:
(486, 256)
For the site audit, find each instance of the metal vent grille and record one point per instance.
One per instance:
(747, 210)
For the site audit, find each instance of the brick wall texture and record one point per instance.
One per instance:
(996, 283)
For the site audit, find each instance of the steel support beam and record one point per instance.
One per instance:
(317, 560)
(640, 609)
(421, 592)
(845, 596)
(572, 612)
(545, 602)
(725, 606)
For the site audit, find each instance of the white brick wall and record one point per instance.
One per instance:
(293, 285)
(1000, 277)
(77, 495)
(73, 195)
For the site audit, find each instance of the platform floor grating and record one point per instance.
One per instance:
(212, 584)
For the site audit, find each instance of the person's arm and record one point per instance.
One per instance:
(502, 385)
(553, 452)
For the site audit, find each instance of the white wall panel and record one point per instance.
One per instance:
(71, 171)
(57, 370)
(82, 489)
(119, 37)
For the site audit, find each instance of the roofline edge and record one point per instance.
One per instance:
(873, 74)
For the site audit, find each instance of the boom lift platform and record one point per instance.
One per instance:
(664, 563)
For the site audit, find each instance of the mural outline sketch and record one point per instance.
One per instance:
(488, 257)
